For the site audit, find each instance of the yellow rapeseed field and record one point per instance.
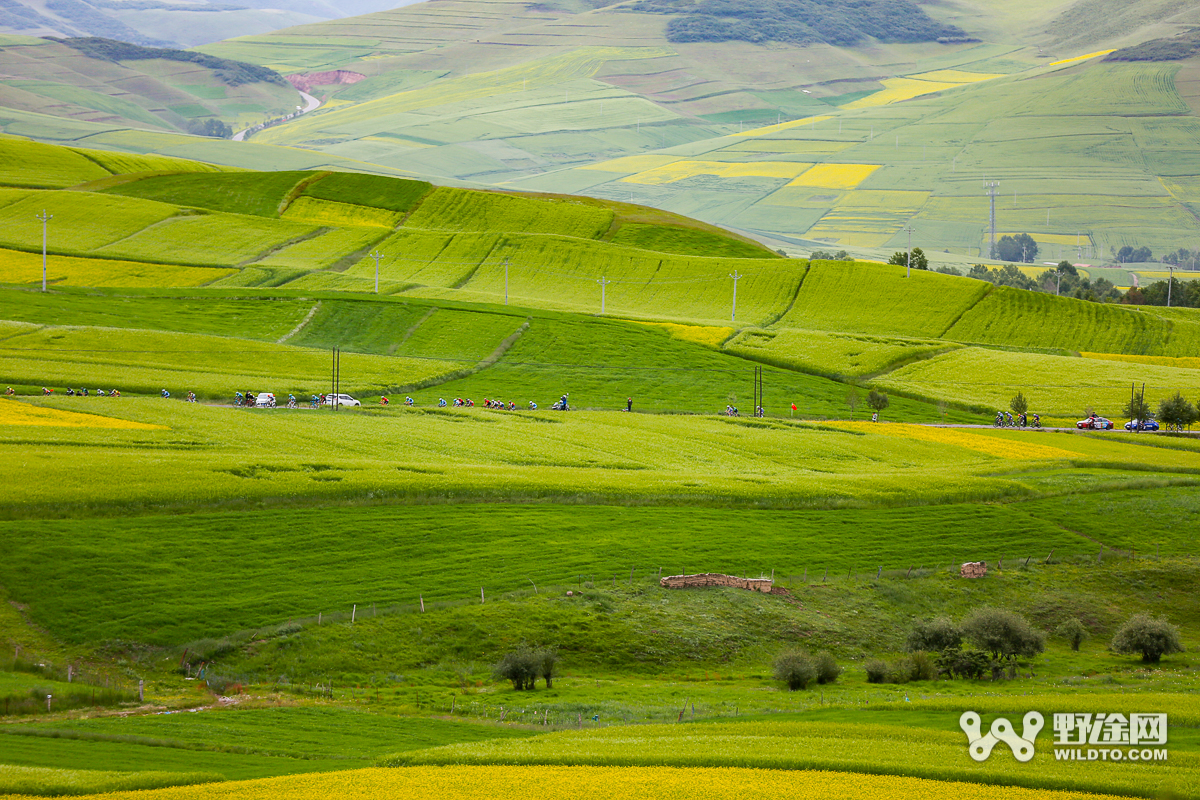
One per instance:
(707, 335)
(1187, 362)
(331, 212)
(593, 783)
(997, 446)
(897, 89)
(956, 76)
(19, 267)
(1080, 58)
(835, 176)
(783, 126)
(680, 170)
(14, 412)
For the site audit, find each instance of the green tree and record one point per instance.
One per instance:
(1136, 408)
(934, 635)
(919, 260)
(1176, 412)
(1021, 248)
(795, 668)
(852, 400)
(1073, 631)
(1002, 633)
(1067, 268)
(1153, 638)
(877, 400)
(1018, 404)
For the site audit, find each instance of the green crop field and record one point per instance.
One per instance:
(884, 301)
(835, 354)
(1054, 385)
(473, 211)
(1003, 317)
(238, 193)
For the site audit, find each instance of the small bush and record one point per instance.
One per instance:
(934, 635)
(795, 668)
(827, 668)
(1153, 638)
(900, 670)
(967, 664)
(877, 670)
(523, 666)
(1073, 631)
(923, 667)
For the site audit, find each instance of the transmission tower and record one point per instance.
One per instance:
(991, 193)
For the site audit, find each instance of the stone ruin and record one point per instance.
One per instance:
(763, 585)
(973, 569)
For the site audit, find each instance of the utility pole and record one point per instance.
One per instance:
(376, 255)
(991, 193)
(908, 269)
(735, 276)
(1170, 280)
(1059, 286)
(506, 281)
(44, 217)
(603, 283)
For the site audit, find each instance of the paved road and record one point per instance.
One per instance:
(310, 104)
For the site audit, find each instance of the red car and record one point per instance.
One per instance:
(1095, 424)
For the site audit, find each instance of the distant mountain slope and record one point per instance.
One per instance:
(171, 22)
(99, 80)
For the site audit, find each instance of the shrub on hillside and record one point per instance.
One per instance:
(934, 635)
(827, 668)
(1152, 637)
(968, 664)
(795, 668)
(877, 670)
(523, 666)
(1073, 631)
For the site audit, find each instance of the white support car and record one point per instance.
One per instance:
(340, 400)
(264, 400)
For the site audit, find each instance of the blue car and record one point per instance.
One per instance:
(1142, 425)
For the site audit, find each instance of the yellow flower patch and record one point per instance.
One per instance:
(594, 783)
(19, 267)
(707, 335)
(998, 446)
(783, 126)
(680, 170)
(956, 76)
(1080, 58)
(14, 412)
(835, 176)
(896, 90)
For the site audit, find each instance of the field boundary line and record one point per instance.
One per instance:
(312, 312)
(991, 287)
(913, 359)
(769, 322)
(350, 259)
(463, 281)
(466, 372)
(270, 251)
(411, 330)
(297, 190)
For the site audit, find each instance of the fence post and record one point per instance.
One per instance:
(877, 574)
(909, 572)
(826, 575)
(353, 613)
(480, 595)
(141, 691)
(320, 614)
(422, 602)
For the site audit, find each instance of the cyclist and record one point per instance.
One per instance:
(408, 401)
(117, 393)
(441, 402)
(165, 394)
(315, 400)
(10, 392)
(383, 401)
(46, 391)
(291, 401)
(1037, 421)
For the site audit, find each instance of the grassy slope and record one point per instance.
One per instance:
(447, 552)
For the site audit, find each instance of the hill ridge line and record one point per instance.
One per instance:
(312, 312)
